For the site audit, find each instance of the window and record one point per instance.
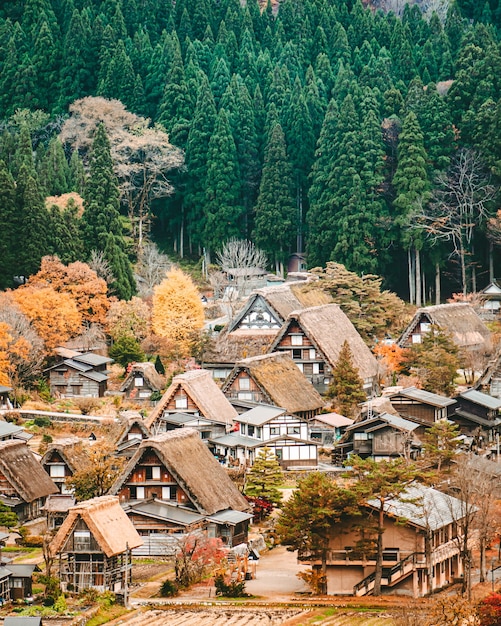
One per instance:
(293, 430)
(169, 493)
(425, 327)
(138, 381)
(133, 493)
(16, 583)
(313, 354)
(76, 389)
(297, 354)
(316, 369)
(300, 367)
(296, 340)
(244, 395)
(57, 471)
(182, 402)
(131, 436)
(416, 338)
(244, 384)
(145, 393)
(140, 493)
(155, 471)
(205, 434)
(360, 436)
(274, 430)
(250, 430)
(81, 540)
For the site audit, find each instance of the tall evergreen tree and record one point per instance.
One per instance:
(223, 205)
(275, 221)
(8, 232)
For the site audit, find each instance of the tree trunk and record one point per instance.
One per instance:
(437, 283)
(323, 584)
(463, 267)
(473, 273)
(483, 573)
(491, 262)
(411, 276)
(379, 554)
(181, 236)
(417, 266)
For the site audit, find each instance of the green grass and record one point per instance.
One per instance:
(106, 614)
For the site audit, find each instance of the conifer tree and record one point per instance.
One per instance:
(347, 388)
(223, 204)
(275, 221)
(54, 170)
(265, 477)
(8, 234)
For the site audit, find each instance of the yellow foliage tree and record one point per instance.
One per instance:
(129, 318)
(11, 350)
(54, 315)
(79, 281)
(177, 312)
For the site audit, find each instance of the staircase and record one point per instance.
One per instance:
(391, 575)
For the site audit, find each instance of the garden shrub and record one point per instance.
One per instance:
(168, 589)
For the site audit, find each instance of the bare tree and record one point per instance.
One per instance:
(100, 265)
(459, 205)
(150, 269)
(142, 154)
(240, 254)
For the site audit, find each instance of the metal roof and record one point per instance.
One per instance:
(260, 414)
(184, 419)
(98, 377)
(4, 389)
(7, 429)
(21, 570)
(4, 572)
(483, 421)
(425, 507)
(229, 517)
(22, 621)
(388, 418)
(400, 422)
(335, 420)
(168, 512)
(237, 441)
(92, 359)
(481, 398)
(424, 396)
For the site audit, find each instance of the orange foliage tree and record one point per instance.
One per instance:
(129, 318)
(392, 358)
(11, 348)
(177, 312)
(54, 315)
(79, 281)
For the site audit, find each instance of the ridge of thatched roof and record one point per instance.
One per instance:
(71, 450)
(19, 465)
(148, 372)
(106, 520)
(491, 370)
(459, 319)
(194, 468)
(328, 327)
(280, 379)
(204, 392)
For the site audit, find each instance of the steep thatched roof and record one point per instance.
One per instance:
(282, 300)
(459, 319)
(107, 522)
(148, 372)
(71, 450)
(24, 472)
(280, 380)
(228, 348)
(194, 468)
(492, 371)
(128, 419)
(203, 391)
(328, 328)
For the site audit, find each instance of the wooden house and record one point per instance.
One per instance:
(459, 320)
(207, 429)
(24, 484)
(177, 468)
(254, 327)
(132, 431)
(273, 379)
(196, 393)
(93, 546)
(21, 580)
(420, 547)
(56, 509)
(422, 406)
(268, 426)
(478, 415)
(4, 585)
(81, 375)
(381, 437)
(63, 458)
(328, 428)
(315, 336)
(491, 300)
(8, 431)
(141, 382)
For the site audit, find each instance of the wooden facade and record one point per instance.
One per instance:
(81, 375)
(426, 407)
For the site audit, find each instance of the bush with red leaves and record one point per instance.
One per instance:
(489, 610)
(261, 508)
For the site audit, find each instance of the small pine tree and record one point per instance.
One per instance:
(347, 387)
(159, 366)
(264, 477)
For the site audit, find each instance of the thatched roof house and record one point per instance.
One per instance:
(459, 320)
(490, 379)
(315, 336)
(141, 381)
(193, 392)
(268, 308)
(70, 453)
(186, 461)
(24, 484)
(132, 426)
(273, 379)
(107, 522)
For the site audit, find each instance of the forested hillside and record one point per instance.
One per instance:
(319, 125)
